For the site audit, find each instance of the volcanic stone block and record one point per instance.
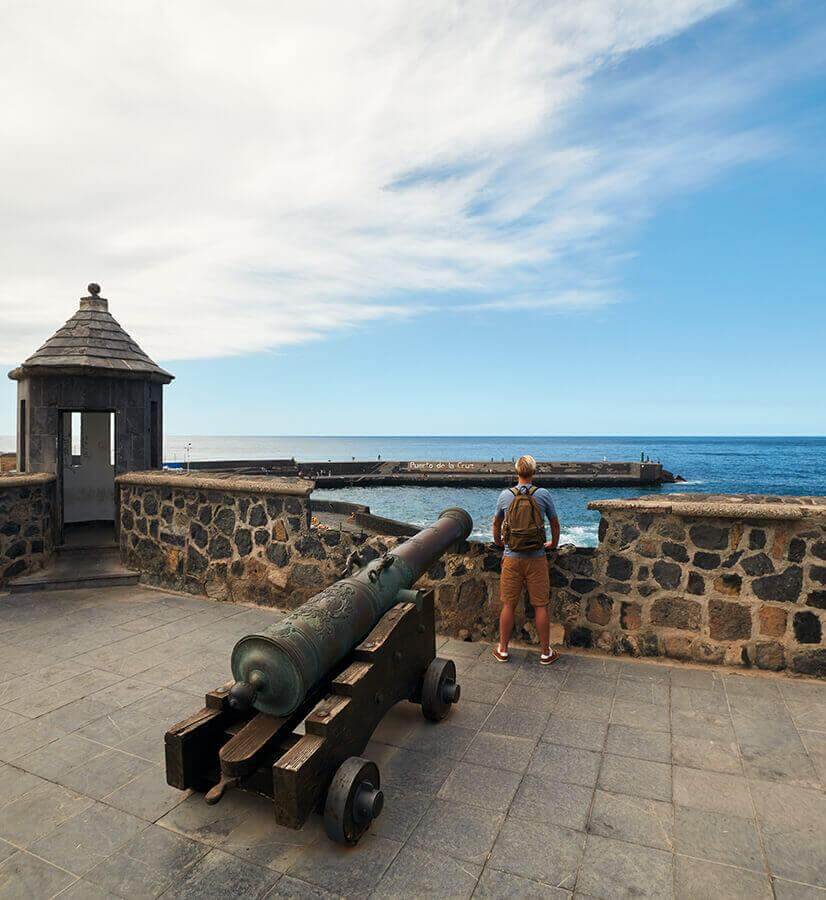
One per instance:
(310, 545)
(810, 663)
(279, 531)
(757, 539)
(807, 628)
(817, 599)
(583, 585)
(196, 564)
(707, 652)
(225, 520)
(258, 516)
(818, 574)
(696, 584)
(262, 536)
(198, 534)
(677, 646)
(819, 549)
(675, 551)
(243, 541)
(769, 655)
(630, 616)
(728, 621)
(278, 554)
(732, 559)
(647, 548)
(220, 548)
(785, 587)
(759, 564)
(676, 612)
(666, 574)
(709, 537)
(707, 561)
(600, 609)
(797, 550)
(772, 621)
(150, 504)
(580, 637)
(630, 533)
(619, 568)
(728, 584)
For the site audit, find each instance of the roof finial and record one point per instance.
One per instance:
(94, 289)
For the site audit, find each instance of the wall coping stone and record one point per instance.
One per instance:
(720, 506)
(220, 481)
(25, 479)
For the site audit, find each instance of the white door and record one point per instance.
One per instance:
(88, 467)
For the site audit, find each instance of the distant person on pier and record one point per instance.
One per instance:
(519, 527)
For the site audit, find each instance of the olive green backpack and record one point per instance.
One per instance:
(524, 528)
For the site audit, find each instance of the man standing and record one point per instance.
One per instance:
(519, 527)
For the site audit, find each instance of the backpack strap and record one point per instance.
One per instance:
(514, 491)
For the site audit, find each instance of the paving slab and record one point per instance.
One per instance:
(480, 786)
(568, 764)
(793, 823)
(542, 799)
(581, 733)
(220, 876)
(147, 865)
(23, 875)
(640, 743)
(717, 837)
(494, 885)
(499, 751)
(636, 820)
(417, 872)
(698, 879)
(637, 777)
(458, 829)
(539, 852)
(612, 869)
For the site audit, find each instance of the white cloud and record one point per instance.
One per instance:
(242, 176)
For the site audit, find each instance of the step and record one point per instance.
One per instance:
(44, 581)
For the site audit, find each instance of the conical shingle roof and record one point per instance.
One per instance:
(92, 343)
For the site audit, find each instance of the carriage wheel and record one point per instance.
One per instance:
(354, 799)
(439, 689)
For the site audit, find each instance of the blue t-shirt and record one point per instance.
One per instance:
(546, 504)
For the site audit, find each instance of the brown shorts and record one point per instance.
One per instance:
(523, 572)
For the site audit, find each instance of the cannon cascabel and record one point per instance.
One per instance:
(275, 670)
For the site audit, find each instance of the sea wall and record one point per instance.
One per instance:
(733, 579)
(26, 523)
(715, 579)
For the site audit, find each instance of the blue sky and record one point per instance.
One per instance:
(606, 220)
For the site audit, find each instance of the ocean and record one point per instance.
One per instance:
(760, 465)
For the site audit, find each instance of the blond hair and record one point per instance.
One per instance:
(525, 466)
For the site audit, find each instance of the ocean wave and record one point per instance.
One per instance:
(581, 535)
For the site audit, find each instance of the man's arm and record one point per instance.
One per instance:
(497, 529)
(553, 543)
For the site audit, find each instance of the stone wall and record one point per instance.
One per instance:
(736, 580)
(26, 523)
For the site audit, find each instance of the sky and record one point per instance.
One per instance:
(433, 218)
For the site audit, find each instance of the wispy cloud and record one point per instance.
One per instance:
(249, 175)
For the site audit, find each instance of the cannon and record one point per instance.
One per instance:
(309, 691)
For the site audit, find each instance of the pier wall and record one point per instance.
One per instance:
(26, 524)
(736, 580)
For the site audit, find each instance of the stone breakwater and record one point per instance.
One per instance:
(26, 523)
(715, 579)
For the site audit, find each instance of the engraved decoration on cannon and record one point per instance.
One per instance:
(309, 691)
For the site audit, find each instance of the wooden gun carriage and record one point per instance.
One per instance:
(309, 759)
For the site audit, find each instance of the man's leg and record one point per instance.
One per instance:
(510, 589)
(543, 627)
(505, 626)
(539, 593)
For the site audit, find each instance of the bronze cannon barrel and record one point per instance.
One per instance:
(275, 669)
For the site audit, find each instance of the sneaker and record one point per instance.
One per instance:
(545, 659)
(499, 656)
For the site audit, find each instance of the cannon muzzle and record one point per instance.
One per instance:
(276, 669)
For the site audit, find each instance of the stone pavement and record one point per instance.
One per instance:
(598, 777)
